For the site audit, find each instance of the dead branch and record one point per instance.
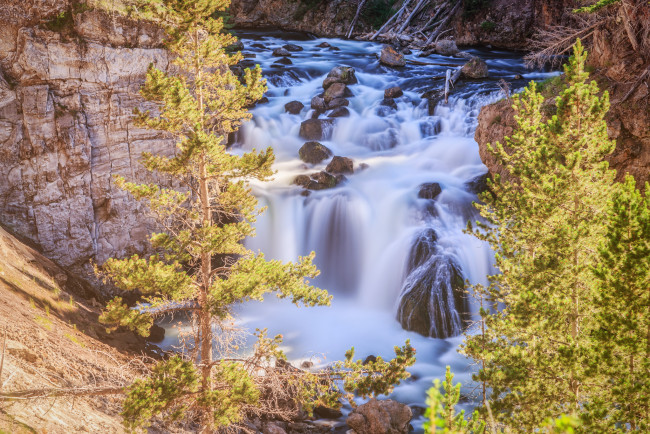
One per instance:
(416, 9)
(432, 22)
(56, 392)
(443, 23)
(627, 95)
(549, 45)
(631, 34)
(397, 16)
(356, 17)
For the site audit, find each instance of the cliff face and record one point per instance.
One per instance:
(617, 68)
(66, 99)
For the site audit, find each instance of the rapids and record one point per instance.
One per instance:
(363, 231)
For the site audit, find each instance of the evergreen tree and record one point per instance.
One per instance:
(623, 320)
(198, 263)
(544, 227)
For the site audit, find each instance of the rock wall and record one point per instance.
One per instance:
(66, 101)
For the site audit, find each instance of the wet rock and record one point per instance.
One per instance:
(302, 180)
(273, 428)
(318, 104)
(249, 55)
(322, 181)
(327, 413)
(294, 107)
(281, 52)
(283, 61)
(237, 46)
(390, 57)
(336, 90)
(389, 102)
(406, 51)
(333, 48)
(479, 184)
(393, 92)
(446, 47)
(263, 100)
(329, 81)
(292, 47)
(429, 190)
(323, 45)
(380, 417)
(348, 93)
(314, 153)
(338, 102)
(339, 112)
(518, 77)
(156, 334)
(316, 129)
(432, 301)
(343, 74)
(433, 97)
(475, 68)
(340, 165)
(259, 46)
(464, 54)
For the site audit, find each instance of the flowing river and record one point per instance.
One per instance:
(374, 238)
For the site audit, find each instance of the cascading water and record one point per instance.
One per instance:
(388, 253)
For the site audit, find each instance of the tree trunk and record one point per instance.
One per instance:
(443, 23)
(356, 17)
(410, 17)
(397, 16)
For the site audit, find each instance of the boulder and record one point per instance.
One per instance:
(380, 417)
(339, 112)
(340, 165)
(281, 52)
(273, 428)
(389, 102)
(475, 68)
(343, 74)
(329, 81)
(292, 47)
(393, 92)
(338, 102)
(390, 57)
(327, 413)
(322, 181)
(323, 45)
(156, 334)
(446, 47)
(336, 90)
(258, 46)
(318, 104)
(302, 180)
(313, 153)
(294, 107)
(429, 190)
(433, 97)
(283, 61)
(316, 129)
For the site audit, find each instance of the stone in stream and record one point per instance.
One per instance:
(283, 61)
(390, 57)
(429, 190)
(337, 102)
(281, 52)
(432, 301)
(323, 181)
(336, 90)
(343, 74)
(318, 104)
(302, 180)
(340, 165)
(329, 81)
(475, 68)
(259, 46)
(389, 102)
(294, 107)
(380, 417)
(323, 45)
(292, 47)
(433, 97)
(316, 129)
(314, 152)
(393, 92)
(446, 47)
(339, 112)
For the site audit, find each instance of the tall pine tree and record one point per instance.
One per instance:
(198, 263)
(544, 227)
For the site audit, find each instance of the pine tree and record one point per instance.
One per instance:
(198, 263)
(544, 228)
(623, 320)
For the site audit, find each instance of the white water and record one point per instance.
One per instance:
(362, 231)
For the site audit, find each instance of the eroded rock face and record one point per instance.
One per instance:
(380, 417)
(66, 129)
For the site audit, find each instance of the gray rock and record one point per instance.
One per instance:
(281, 52)
(380, 417)
(340, 165)
(336, 90)
(292, 47)
(294, 107)
(343, 74)
(390, 57)
(475, 68)
(313, 153)
(446, 47)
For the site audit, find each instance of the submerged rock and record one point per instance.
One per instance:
(429, 190)
(390, 57)
(283, 61)
(389, 102)
(380, 417)
(314, 152)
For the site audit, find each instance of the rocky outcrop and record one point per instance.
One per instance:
(66, 102)
(380, 417)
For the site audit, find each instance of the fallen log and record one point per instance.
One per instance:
(356, 17)
(410, 17)
(443, 23)
(397, 16)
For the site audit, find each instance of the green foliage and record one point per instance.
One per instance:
(377, 12)
(118, 314)
(488, 26)
(600, 4)
(623, 324)
(545, 227)
(61, 22)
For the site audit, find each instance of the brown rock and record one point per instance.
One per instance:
(390, 57)
(314, 153)
(316, 129)
(446, 47)
(339, 112)
(475, 68)
(393, 92)
(343, 74)
(294, 107)
(340, 165)
(302, 180)
(336, 90)
(318, 104)
(429, 190)
(380, 417)
(338, 102)
(281, 52)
